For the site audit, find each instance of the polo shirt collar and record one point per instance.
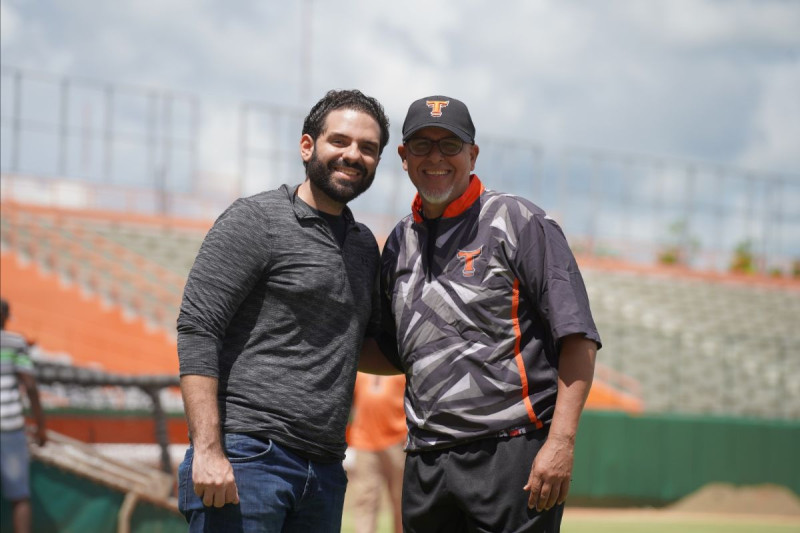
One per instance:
(303, 210)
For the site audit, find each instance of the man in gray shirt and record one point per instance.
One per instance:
(274, 314)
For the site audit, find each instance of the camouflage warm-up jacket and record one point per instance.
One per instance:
(474, 305)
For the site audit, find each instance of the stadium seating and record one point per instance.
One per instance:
(698, 345)
(61, 317)
(674, 340)
(137, 263)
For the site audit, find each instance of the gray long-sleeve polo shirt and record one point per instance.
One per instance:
(277, 311)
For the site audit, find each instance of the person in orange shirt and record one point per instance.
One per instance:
(378, 434)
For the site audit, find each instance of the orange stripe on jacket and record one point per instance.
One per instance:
(523, 376)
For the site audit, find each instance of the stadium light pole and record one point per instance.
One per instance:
(16, 121)
(305, 61)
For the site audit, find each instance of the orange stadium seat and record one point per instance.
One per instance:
(60, 318)
(603, 396)
(112, 257)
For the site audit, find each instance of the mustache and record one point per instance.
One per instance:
(342, 163)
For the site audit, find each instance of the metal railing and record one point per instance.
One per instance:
(633, 206)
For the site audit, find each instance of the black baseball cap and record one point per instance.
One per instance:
(441, 112)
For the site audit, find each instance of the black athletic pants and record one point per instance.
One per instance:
(475, 487)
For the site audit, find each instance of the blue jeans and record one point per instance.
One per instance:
(279, 491)
(14, 465)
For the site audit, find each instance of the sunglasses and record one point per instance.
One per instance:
(423, 146)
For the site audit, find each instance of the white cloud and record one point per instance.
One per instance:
(27, 42)
(701, 23)
(695, 78)
(9, 23)
(774, 135)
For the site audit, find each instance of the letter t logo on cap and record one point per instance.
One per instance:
(437, 106)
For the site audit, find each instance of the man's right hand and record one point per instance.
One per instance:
(212, 476)
(212, 473)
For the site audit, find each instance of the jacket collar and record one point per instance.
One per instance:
(457, 206)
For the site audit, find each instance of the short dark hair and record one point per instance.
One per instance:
(346, 99)
(4, 311)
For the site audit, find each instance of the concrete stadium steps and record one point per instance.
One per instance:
(171, 249)
(675, 305)
(700, 346)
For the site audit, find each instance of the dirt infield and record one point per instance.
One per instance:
(715, 504)
(755, 499)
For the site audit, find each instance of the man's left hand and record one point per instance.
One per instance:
(41, 435)
(550, 474)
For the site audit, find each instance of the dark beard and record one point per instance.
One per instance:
(322, 178)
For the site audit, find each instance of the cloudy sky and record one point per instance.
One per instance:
(717, 81)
